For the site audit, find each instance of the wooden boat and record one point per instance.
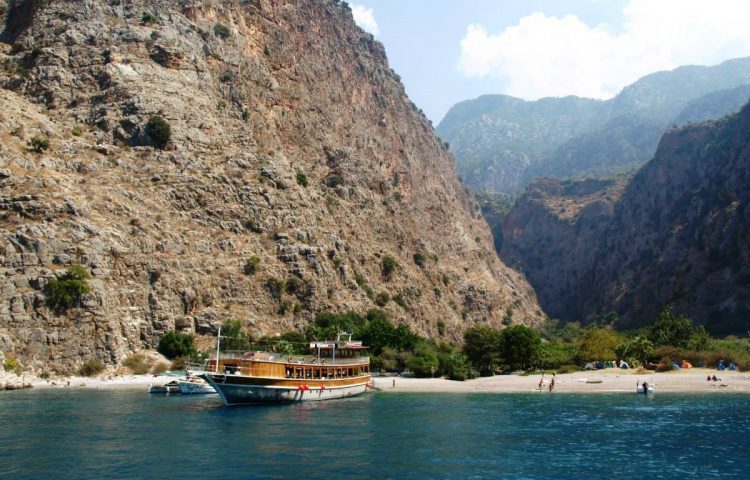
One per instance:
(335, 369)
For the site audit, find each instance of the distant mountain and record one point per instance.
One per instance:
(496, 138)
(501, 143)
(621, 145)
(714, 105)
(676, 233)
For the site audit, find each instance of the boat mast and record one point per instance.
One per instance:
(218, 342)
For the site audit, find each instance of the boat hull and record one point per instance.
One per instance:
(171, 387)
(236, 390)
(195, 388)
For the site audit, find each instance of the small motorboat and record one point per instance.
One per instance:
(192, 385)
(171, 387)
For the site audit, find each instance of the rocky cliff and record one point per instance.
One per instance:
(676, 233)
(291, 141)
(502, 143)
(552, 234)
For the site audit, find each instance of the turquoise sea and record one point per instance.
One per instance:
(129, 434)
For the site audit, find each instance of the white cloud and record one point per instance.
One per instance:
(549, 56)
(365, 18)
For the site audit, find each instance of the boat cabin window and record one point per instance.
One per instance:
(316, 373)
(308, 373)
(298, 372)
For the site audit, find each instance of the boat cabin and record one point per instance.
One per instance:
(328, 360)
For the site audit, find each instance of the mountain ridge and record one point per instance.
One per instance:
(499, 149)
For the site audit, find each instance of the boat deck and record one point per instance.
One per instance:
(307, 360)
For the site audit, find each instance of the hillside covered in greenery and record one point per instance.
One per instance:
(501, 143)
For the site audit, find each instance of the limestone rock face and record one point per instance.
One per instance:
(291, 141)
(675, 234)
(552, 234)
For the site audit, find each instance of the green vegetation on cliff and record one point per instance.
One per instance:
(176, 344)
(234, 336)
(159, 131)
(66, 291)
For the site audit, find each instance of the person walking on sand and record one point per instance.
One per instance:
(552, 383)
(394, 383)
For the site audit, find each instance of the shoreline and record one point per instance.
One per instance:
(102, 383)
(610, 380)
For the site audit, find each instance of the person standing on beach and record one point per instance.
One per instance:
(394, 383)
(552, 383)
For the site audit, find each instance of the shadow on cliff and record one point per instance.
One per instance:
(19, 18)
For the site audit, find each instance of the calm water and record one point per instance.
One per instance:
(129, 434)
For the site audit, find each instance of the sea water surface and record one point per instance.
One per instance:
(85, 434)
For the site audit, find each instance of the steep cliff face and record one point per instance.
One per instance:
(677, 235)
(292, 141)
(552, 234)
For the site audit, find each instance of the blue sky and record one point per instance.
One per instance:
(450, 50)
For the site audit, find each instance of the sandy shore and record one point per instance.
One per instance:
(114, 382)
(599, 381)
(605, 381)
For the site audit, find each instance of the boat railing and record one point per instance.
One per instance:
(197, 367)
(294, 359)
